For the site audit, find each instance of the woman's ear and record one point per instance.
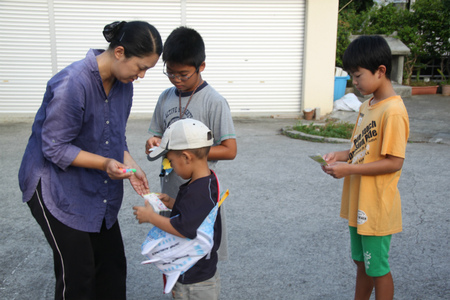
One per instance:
(119, 52)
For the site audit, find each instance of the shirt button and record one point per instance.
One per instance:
(106, 100)
(107, 122)
(106, 181)
(104, 201)
(106, 142)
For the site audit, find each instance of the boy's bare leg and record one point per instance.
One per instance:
(384, 287)
(364, 283)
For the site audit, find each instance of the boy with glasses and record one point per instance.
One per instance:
(190, 98)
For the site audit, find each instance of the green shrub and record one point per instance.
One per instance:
(331, 128)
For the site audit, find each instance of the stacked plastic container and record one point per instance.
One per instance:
(340, 83)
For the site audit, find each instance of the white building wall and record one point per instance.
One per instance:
(254, 48)
(320, 55)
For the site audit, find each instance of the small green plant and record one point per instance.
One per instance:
(444, 79)
(331, 128)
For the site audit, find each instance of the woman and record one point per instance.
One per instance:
(72, 170)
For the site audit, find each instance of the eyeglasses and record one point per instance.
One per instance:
(179, 77)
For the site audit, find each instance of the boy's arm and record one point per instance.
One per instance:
(146, 214)
(227, 150)
(389, 164)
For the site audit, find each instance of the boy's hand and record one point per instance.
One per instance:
(337, 169)
(168, 202)
(330, 157)
(152, 142)
(337, 166)
(143, 213)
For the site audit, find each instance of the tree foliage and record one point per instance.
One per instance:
(425, 30)
(356, 5)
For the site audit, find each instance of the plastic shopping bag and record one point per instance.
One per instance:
(174, 255)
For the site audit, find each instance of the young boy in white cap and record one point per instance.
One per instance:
(186, 145)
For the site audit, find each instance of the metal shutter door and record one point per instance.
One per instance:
(254, 52)
(80, 24)
(25, 55)
(254, 48)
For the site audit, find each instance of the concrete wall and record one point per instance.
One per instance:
(320, 54)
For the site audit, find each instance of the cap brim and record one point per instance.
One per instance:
(157, 153)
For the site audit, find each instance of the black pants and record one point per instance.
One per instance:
(87, 265)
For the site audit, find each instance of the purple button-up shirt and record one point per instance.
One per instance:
(77, 115)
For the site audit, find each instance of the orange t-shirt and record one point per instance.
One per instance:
(372, 203)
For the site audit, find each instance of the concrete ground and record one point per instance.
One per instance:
(286, 240)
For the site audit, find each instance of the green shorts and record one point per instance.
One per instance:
(372, 250)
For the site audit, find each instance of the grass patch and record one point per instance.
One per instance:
(331, 128)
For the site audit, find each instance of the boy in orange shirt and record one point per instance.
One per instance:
(372, 166)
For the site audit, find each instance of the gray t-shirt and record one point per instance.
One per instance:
(207, 106)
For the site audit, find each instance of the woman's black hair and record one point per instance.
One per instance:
(368, 52)
(138, 38)
(184, 46)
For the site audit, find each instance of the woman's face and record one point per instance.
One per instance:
(130, 69)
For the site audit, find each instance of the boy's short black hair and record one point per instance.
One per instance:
(368, 52)
(200, 153)
(184, 46)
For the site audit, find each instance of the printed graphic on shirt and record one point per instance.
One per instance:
(361, 142)
(172, 115)
(362, 217)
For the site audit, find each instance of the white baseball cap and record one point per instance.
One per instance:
(182, 135)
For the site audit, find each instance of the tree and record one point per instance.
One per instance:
(425, 30)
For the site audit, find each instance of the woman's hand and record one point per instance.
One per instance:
(138, 179)
(115, 169)
(139, 182)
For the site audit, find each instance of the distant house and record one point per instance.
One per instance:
(267, 57)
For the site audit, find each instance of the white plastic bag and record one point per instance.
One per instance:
(349, 102)
(174, 255)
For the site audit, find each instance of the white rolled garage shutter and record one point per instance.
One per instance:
(254, 52)
(254, 48)
(25, 54)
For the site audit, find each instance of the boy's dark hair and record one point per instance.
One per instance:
(368, 52)
(138, 38)
(200, 153)
(184, 46)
